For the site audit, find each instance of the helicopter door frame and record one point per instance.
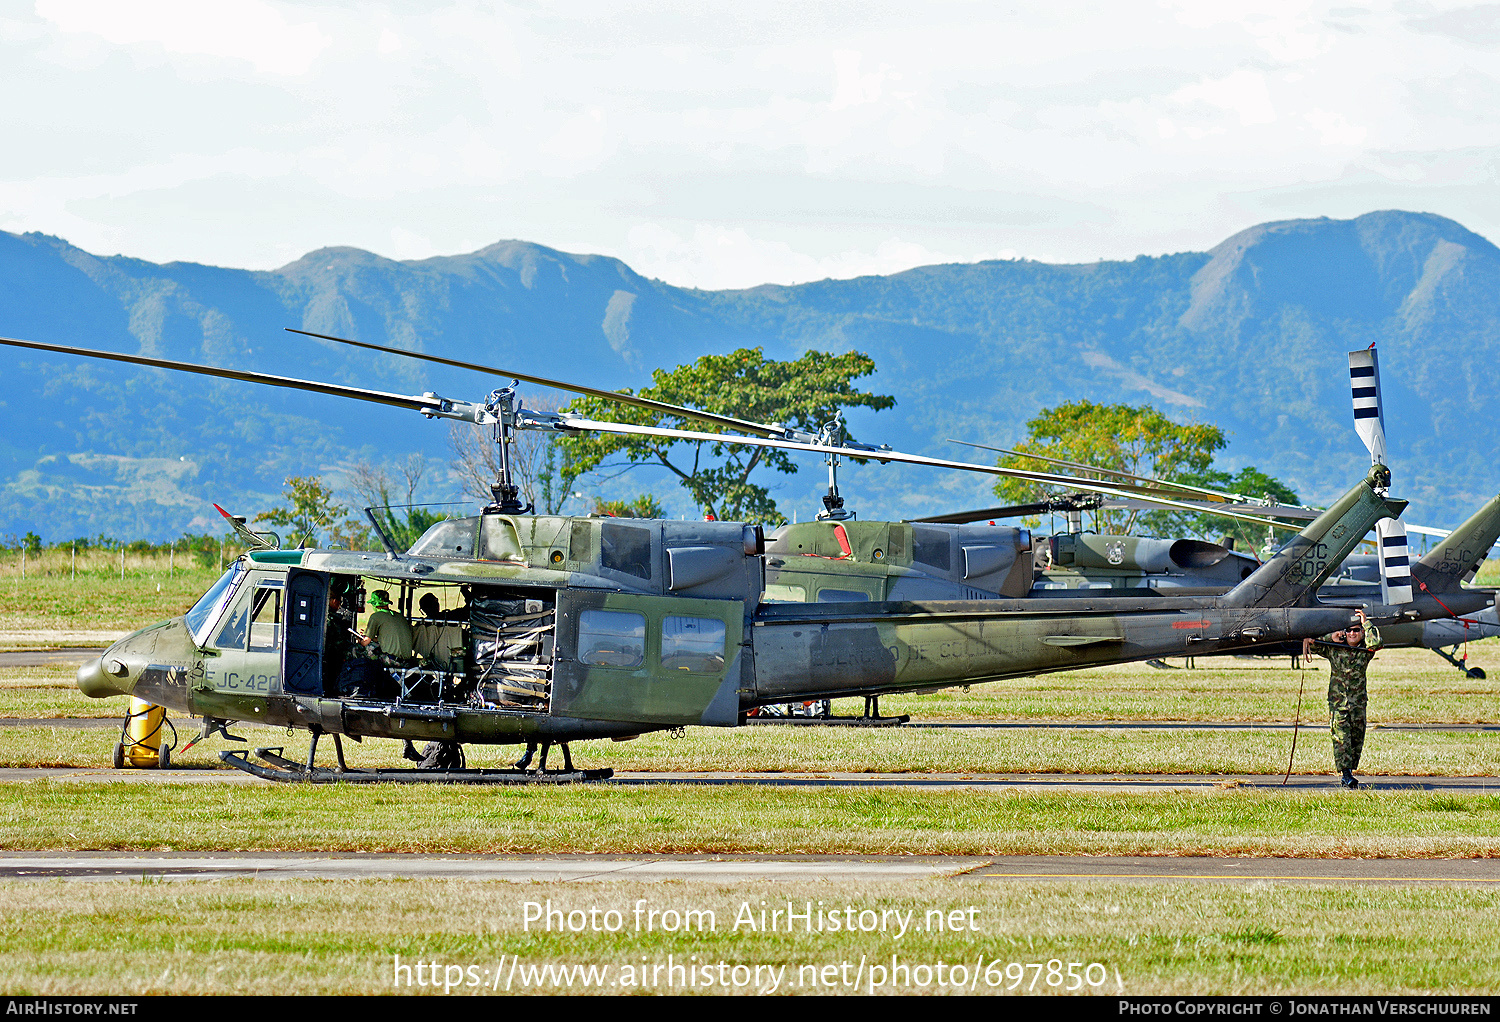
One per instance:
(306, 611)
(623, 673)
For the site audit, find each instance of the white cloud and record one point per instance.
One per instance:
(726, 144)
(1242, 93)
(249, 30)
(1334, 130)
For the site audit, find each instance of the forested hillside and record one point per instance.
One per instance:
(1250, 335)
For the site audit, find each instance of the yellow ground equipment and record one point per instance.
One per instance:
(141, 744)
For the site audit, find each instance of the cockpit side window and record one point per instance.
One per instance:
(265, 618)
(232, 632)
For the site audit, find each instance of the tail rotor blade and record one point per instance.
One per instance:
(1369, 423)
(1369, 413)
(1395, 562)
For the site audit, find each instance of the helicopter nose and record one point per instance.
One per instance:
(105, 676)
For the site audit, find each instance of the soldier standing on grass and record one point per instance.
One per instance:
(1349, 654)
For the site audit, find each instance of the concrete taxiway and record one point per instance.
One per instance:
(1114, 783)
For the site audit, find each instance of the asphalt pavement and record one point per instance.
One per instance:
(101, 866)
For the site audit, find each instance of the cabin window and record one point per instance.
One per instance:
(265, 620)
(931, 547)
(692, 644)
(842, 596)
(779, 593)
(625, 548)
(446, 539)
(611, 638)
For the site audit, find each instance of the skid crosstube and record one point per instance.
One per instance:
(277, 768)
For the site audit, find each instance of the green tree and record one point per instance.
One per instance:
(378, 489)
(1248, 481)
(309, 509)
(1144, 442)
(1139, 440)
(643, 506)
(804, 394)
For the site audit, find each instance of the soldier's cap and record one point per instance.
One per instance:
(380, 599)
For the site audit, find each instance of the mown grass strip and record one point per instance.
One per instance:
(736, 818)
(303, 937)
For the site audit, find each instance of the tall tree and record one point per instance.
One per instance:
(309, 509)
(536, 459)
(804, 394)
(1251, 482)
(1139, 440)
(379, 488)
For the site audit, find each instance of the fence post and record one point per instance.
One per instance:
(122, 563)
(74, 569)
(171, 559)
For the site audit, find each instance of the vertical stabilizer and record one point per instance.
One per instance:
(1455, 560)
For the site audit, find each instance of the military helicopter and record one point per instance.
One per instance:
(583, 628)
(1446, 614)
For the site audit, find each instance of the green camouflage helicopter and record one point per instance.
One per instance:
(1417, 603)
(579, 628)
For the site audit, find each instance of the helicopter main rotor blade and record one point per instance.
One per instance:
(428, 403)
(1166, 484)
(1058, 505)
(744, 425)
(883, 455)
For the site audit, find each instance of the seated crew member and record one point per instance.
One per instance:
(432, 609)
(337, 641)
(386, 631)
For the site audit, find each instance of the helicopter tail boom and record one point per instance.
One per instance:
(1307, 561)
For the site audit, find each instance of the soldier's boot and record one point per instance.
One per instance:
(1348, 780)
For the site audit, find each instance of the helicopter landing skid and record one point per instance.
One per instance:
(833, 721)
(277, 768)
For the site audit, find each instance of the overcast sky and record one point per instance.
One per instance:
(729, 144)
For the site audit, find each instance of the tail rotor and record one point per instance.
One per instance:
(1369, 423)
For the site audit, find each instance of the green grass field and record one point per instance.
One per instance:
(744, 818)
(306, 937)
(299, 937)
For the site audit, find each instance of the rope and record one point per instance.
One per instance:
(1296, 723)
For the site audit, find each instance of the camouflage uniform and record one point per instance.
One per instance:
(1347, 696)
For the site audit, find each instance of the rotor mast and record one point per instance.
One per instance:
(502, 407)
(832, 435)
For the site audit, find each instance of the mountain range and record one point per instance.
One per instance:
(1250, 336)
